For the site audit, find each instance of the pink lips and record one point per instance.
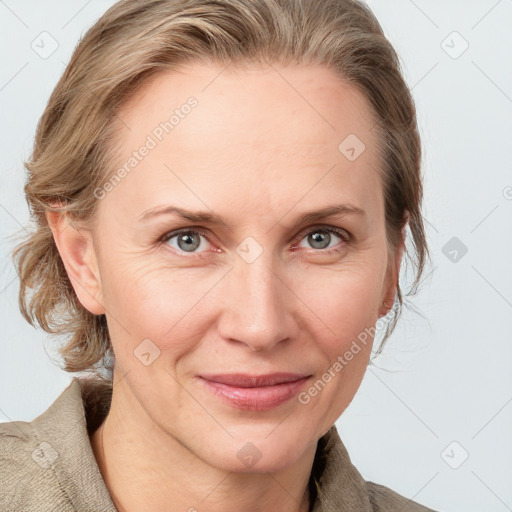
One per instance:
(255, 392)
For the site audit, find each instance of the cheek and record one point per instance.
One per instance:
(345, 301)
(155, 302)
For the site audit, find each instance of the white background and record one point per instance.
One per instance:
(443, 378)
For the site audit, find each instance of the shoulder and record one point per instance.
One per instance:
(48, 465)
(384, 499)
(18, 449)
(28, 481)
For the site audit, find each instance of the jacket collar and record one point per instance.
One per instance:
(63, 425)
(335, 483)
(339, 485)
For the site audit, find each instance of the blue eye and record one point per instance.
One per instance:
(186, 241)
(320, 238)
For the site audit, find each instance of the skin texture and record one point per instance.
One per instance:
(259, 149)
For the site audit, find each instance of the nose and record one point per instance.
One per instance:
(258, 306)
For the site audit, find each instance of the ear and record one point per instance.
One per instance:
(393, 275)
(79, 257)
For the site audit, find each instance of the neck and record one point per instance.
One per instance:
(145, 468)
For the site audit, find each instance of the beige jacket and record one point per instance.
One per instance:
(48, 465)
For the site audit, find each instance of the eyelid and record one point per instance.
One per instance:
(195, 229)
(179, 231)
(342, 233)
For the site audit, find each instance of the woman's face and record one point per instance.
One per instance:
(248, 288)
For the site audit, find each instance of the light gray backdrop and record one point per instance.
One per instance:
(433, 418)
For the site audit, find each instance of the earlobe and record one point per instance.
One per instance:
(77, 253)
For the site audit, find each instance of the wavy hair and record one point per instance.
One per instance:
(136, 39)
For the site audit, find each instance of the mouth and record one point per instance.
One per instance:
(255, 392)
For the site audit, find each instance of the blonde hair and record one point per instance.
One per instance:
(135, 39)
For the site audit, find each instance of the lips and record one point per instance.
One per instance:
(252, 381)
(254, 392)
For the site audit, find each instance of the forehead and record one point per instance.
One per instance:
(259, 129)
(253, 100)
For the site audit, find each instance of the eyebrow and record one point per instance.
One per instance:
(214, 219)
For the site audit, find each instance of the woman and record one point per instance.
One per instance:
(221, 192)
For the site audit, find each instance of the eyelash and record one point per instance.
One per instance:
(344, 235)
